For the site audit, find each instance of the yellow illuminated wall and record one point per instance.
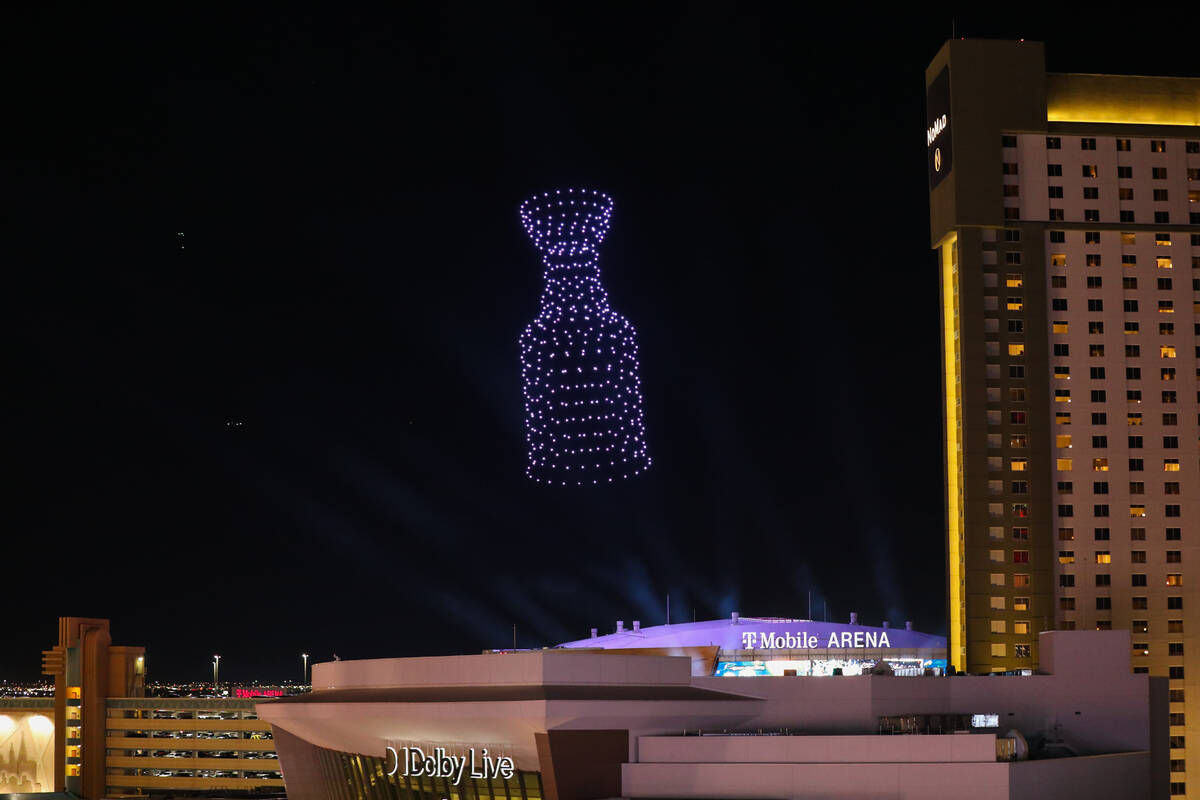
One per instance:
(26, 752)
(1122, 99)
(957, 646)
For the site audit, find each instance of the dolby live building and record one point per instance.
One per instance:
(703, 710)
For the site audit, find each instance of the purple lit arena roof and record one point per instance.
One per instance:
(765, 633)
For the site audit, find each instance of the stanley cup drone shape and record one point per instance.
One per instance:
(583, 397)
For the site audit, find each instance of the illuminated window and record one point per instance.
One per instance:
(1025, 580)
(1062, 440)
(997, 603)
(1021, 626)
(1162, 239)
(1062, 418)
(1173, 579)
(1066, 556)
(996, 532)
(1063, 464)
(1013, 281)
(1164, 262)
(999, 650)
(1066, 534)
(1170, 465)
(1137, 511)
(1089, 171)
(1013, 304)
(1020, 604)
(1016, 348)
(1100, 465)
(997, 579)
(1058, 259)
(1135, 418)
(999, 626)
(1128, 237)
(1131, 328)
(1018, 464)
(1018, 441)
(1167, 373)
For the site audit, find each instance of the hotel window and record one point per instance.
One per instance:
(1053, 142)
(997, 603)
(1140, 626)
(1020, 510)
(999, 650)
(1137, 556)
(1009, 168)
(1158, 146)
(1132, 373)
(1135, 442)
(1062, 440)
(1170, 465)
(1136, 465)
(1166, 350)
(1164, 284)
(1020, 604)
(1062, 395)
(1100, 465)
(1175, 626)
(1174, 556)
(1100, 418)
(1066, 534)
(1162, 217)
(999, 626)
(1134, 395)
(1103, 557)
(1058, 281)
(1062, 418)
(1091, 193)
(1066, 603)
(1013, 304)
(997, 579)
(1058, 237)
(1123, 145)
(1158, 173)
(1099, 442)
(1167, 373)
(1014, 280)
(1131, 306)
(1100, 534)
(1133, 351)
(1058, 259)
(1166, 329)
(1016, 371)
(1100, 487)
(1103, 580)
(1066, 556)
(1054, 191)
(1008, 141)
(1166, 307)
(1129, 260)
(1162, 240)
(1171, 442)
(1054, 171)
(1018, 440)
(1095, 350)
(1141, 648)
(1124, 172)
(1094, 281)
(1137, 510)
(1127, 215)
(1016, 395)
(1016, 348)
(1087, 144)
(1065, 487)
(1100, 510)
(1132, 328)
(1125, 193)
(1012, 235)
(1096, 373)
(1174, 603)
(1057, 215)
(1022, 650)
(1140, 604)
(1173, 510)
(1020, 487)
(1095, 327)
(996, 532)
(1170, 397)
(1103, 603)
(1175, 673)
(1137, 534)
(1192, 147)
(1022, 580)
(1128, 282)
(1164, 262)
(1093, 215)
(1089, 170)
(1018, 464)
(1160, 196)
(1137, 579)
(1020, 556)
(1020, 534)
(1174, 534)
(1021, 626)
(1095, 304)
(1137, 487)
(1063, 465)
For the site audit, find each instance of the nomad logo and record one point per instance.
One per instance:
(412, 762)
(753, 640)
(937, 127)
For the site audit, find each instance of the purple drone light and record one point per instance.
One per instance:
(583, 397)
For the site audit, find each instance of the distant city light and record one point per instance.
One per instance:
(579, 357)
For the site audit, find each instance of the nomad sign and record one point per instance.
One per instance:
(939, 144)
(412, 762)
(769, 640)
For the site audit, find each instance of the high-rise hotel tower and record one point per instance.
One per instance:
(1065, 212)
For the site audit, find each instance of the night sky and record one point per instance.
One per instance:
(352, 279)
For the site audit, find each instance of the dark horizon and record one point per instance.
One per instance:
(351, 282)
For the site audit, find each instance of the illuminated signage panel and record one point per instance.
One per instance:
(939, 145)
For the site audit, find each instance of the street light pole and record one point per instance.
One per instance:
(304, 682)
(216, 672)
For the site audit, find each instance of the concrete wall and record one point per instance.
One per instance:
(503, 669)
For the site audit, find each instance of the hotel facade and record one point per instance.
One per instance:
(1065, 214)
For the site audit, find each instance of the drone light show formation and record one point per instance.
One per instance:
(583, 397)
